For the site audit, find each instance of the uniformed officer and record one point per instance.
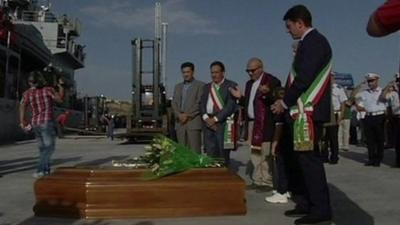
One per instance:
(374, 106)
(338, 100)
(392, 95)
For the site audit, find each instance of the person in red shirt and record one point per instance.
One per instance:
(41, 100)
(385, 20)
(62, 120)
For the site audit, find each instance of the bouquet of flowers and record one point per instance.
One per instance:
(164, 157)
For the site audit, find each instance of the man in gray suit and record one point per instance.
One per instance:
(186, 106)
(217, 104)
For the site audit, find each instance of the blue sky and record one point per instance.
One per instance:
(231, 31)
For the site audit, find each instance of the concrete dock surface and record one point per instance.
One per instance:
(360, 195)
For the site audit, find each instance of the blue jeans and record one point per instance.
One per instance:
(46, 137)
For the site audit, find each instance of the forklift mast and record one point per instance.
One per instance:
(146, 85)
(149, 108)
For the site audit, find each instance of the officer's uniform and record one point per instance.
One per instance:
(374, 121)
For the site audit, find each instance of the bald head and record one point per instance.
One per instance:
(255, 61)
(255, 68)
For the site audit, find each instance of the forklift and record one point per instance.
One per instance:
(151, 112)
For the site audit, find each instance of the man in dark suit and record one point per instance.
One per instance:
(216, 106)
(308, 100)
(186, 106)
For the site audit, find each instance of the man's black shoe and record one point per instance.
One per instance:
(333, 162)
(263, 189)
(310, 219)
(325, 160)
(296, 213)
(252, 186)
(368, 164)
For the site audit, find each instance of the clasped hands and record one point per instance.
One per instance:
(183, 118)
(211, 123)
(278, 107)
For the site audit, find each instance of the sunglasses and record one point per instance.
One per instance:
(370, 81)
(251, 70)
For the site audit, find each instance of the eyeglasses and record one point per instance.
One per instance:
(370, 81)
(251, 70)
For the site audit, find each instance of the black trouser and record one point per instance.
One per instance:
(389, 134)
(331, 142)
(353, 135)
(375, 137)
(286, 167)
(214, 143)
(311, 192)
(363, 139)
(396, 125)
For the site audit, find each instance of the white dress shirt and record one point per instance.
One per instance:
(253, 92)
(210, 103)
(338, 97)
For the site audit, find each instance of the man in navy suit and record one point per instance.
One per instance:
(308, 99)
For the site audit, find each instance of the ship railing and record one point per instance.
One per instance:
(59, 43)
(72, 25)
(71, 47)
(76, 50)
(38, 16)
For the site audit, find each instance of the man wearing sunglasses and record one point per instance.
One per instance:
(370, 102)
(259, 96)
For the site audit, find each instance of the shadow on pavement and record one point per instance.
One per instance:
(144, 223)
(4, 162)
(249, 169)
(235, 165)
(389, 156)
(346, 211)
(30, 164)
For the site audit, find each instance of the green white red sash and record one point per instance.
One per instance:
(230, 137)
(216, 97)
(302, 113)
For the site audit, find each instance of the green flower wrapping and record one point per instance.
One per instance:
(167, 157)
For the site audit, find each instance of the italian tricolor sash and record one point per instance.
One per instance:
(230, 137)
(302, 113)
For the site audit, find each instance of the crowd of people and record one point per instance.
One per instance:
(284, 125)
(291, 130)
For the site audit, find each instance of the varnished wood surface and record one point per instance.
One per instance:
(91, 192)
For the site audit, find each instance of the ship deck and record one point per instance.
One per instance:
(360, 195)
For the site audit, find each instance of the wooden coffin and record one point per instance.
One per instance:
(94, 193)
